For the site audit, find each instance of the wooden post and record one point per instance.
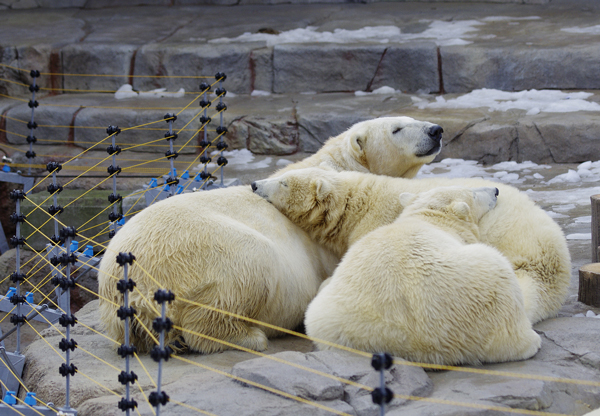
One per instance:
(595, 199)
(589, 284)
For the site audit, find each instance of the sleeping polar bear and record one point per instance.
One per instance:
(339, 208)
(229, 249)
(425, 289)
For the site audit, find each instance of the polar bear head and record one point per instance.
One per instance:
(394, 146)
(464, 204)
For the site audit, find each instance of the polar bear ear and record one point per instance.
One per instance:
(406, 198)
(357, 143)
(461, 209)
(322, 189)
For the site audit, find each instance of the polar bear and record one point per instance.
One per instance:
(338, 208)
(228, 255)
(423, 288)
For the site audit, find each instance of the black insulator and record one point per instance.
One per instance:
(126, 405)
(222, 161)
(221, 92)
(55, 261)
(221, 130)
(155, 398)
(124, 313)
(66, 320)
(113, 170)
(205, 159)
(17, 277)
(170, 117)
(222, 146)
(204, 87)
(382, 361)
(57, 240)
(33, 104)
(171, 155)
(171, 136)
(113, 216)
(125, 378)
(171, 181)
(17, 194)
(66, 259)
(63, 282)
(112, 198)
(221, 107)
(220, 76)
(160, 324)
(203, 143)
(53, 166)
(65, 369)
(111, 233)
(32, 125)
(14, 299)
(65, 345)
(53, 210)
(30, 154)
(125, 285)
(68, 232)
(54, 188)
(31, 139)
(15, 218)
(157, 353)
(34, 88)
(17, 241)
(205, 120)
(113, 150)
(382, 395)
(18, 319)
(34, 73)
(125, 350)
(204, 103)
(113, 130)
(161, 296)
(123, 258)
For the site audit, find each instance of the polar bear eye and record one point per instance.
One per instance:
(397, 130)
(283, 183)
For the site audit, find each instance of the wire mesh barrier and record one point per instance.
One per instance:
(68, 261)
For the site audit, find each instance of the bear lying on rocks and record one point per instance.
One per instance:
(338, 208)
(423, 288)
(230, 250)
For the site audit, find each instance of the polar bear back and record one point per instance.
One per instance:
(420, 293)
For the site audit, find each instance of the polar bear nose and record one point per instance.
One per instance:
(497, 192)
(435, 132)
(253, 185)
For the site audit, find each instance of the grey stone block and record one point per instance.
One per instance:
(101, 59)
(324, 67)
(570, 137)
(193, 60)
(409, 68)
(261, 66)
(515, 68)
(131, 139)
(46, 117)
(27, 58)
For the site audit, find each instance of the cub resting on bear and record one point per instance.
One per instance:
(338, 208)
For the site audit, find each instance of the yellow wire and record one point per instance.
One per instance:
(10, 132)
(14, 98)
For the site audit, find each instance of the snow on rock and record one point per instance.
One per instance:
(579, 236)
(260, 93)
(125, 91)
(533, 101)
(592, 30)
(381, 90)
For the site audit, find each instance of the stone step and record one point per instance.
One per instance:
(285, 124)
(293, 48)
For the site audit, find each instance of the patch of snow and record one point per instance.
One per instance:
(590, 314)
(506, 18)
(584, 220)
(591, 30)
(162, 92)
(553, 214)
(260, 93)
(533, 101)
(381, 90)
(125, 91)
(579, 236)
